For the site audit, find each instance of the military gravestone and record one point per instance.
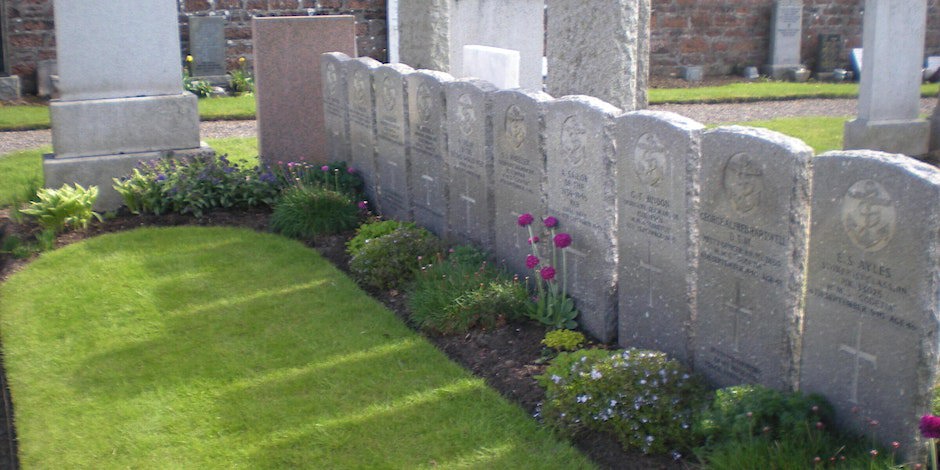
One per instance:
(392, 132)
(361, 106)
(658, 157)
(519, 170)
(581, 194)
(753, 223)
(335, 105)
(207, 46)
(469, 161)
(429, 173)
(870, 338)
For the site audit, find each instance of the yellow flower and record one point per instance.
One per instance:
(241, 60)
(189, 58)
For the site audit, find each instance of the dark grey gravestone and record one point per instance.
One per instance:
(391, 151)
(362, 121)
(427, 113)
(658, 158)
(469, 159)
(871, 329)
(336, 105)
(581, 194)
(207, 45)
(519, 170)
(829, 55)
(753, 223)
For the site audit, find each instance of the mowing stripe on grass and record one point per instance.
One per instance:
(222, 348)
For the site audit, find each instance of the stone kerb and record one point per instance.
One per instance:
(658, 159)
(427, 134)
(580, 191)
(753, 223)
(392, 144)
(335, 105)
(469, 160)
(361, 111)
(871, 328)
(518, 168)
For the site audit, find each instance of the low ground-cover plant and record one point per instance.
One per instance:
(371, 230)
(462, 291)
(391, 260)
(564, 340)
(194, 185)
(67, 207)
(642, 398)
(306, 211)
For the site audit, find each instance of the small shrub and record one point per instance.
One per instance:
(372, 230)
(641, 397)
(564, 340)
(66, 207)
(200, 88)
(336, 176)
(391, 260)
(240, 80)
(461, 292)
(304, 212)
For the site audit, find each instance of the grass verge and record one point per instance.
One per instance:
(822, 133)
(764, 90)
(20, 175)
(161, 348)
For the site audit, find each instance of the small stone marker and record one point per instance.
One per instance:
(828, 55)
(335, 105)
(519, 170)
(493, 64)
(658, 157)
(787, 31)
(694, 73)
(753, 224)
(469, 160)
(362, 121)
(288, 90)
(581, 194)
(391, 152)
(207, 46)
(429, 173)
(857, 54)
(871, 328)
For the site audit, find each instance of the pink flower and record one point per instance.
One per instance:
(550, 222)
(351, 171)
(548, 273)
(930, 426)
(325, 168)
(563, 240)
(363, 205)
(531, 261)
(533, 240)
(525, 219)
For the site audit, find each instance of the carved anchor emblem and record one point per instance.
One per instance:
(868, 215)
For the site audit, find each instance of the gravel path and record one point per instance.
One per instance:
(704, 113)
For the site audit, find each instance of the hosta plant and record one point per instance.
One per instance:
(66, 207)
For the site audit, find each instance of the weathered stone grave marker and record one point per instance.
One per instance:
(335, 105)
(519, 170)
(753, 223)
(870, 337)
(658, 157)
(429, 173)
(391, 153)
(787, 31)
(469, 160)
(581, 194)
(362, 120)
(828, 55)
(207, 46)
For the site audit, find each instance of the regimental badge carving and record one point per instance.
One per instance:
(360, 89)
(466, 115)
(388, 95)
(869, 215)
(650, 163)
(331, 77)
(743, 182)
(515, 126)
(572, 140)
(425, 101)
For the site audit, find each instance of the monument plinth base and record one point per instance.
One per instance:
(99, 170)
(907, 137)
(779, 72)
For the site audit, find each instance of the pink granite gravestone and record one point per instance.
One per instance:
(287, 82)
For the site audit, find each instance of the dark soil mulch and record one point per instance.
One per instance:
(507, 357)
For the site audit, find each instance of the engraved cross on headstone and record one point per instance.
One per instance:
(469, 203)
(428, 181)
(859, 356)
(650, 269)
(574, 258)
(518, 235)
(738, 309)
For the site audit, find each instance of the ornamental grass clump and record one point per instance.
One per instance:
(336, 176)
(640, 397)
(390, 261)
(304, 212)
(462, 291)
(551, 306)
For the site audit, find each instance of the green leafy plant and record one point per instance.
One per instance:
(240, 80)
(200, 88)
(372, 230)
(463, 291)
(552, 306)
(641, 397)
(304, 212)
(66, 207)
(336, 176)
(564, 340)
(391, 260)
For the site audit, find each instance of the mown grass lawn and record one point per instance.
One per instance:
(226, 348)
(764, 90)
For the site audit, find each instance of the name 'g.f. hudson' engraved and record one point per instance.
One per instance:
(572, 140)
(466, 115)
(650, 163)
(868, 215)
(515, 126)
(743, 182)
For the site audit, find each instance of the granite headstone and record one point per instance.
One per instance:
(335, 105)
(493, 64)
(828, 55)
(392, 130)
(787, 31)
(362, 121)
(427, 135)
(207, 46)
